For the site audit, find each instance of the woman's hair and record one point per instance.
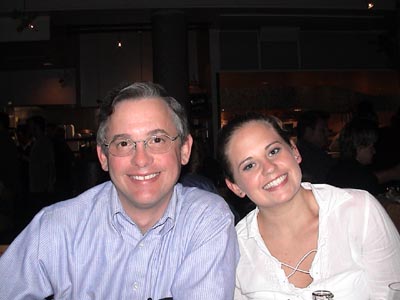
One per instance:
(140, 91)
(238, 122)
(357, 133)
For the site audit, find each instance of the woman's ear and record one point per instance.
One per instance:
(235, 188)
(296, 152)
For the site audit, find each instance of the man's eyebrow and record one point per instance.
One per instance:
(150, 133)
(120, 136)
(158, 131)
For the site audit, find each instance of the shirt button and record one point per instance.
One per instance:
(135, 285)
(141, 245)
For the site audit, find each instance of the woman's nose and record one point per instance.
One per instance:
(268, 166)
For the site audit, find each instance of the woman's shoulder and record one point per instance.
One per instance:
(332, 197)
(246, 227)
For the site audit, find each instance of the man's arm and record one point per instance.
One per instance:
(208, 270)
(22, 276)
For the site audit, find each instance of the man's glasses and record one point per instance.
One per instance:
(155, 144)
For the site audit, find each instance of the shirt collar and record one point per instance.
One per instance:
(162, 226)
(252, 224)
(327, 197)
(167, 221)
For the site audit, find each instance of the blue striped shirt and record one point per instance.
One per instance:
(88, 248)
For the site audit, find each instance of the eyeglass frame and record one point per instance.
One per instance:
(145, 143)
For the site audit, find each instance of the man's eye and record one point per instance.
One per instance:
(157, 140)
(122, 144)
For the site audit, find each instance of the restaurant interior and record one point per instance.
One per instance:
(59, 59)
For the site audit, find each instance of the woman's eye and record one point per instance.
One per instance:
(274, 151)
(248, 167)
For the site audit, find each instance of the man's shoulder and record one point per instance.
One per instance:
(79, 207)
(199, 215)
(193, 200)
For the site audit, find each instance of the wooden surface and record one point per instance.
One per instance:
(3, 249)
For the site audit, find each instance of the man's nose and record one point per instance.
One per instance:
(140, 155)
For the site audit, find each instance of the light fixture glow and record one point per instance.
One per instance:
(370, 5)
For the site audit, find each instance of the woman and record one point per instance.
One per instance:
(302, 237)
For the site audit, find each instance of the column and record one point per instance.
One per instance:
(170, 53)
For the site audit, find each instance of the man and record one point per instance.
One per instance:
(42, 167)
(139, 236)
(312, 141)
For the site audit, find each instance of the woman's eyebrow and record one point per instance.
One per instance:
(250, 157)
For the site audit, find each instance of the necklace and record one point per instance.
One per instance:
(296, 268)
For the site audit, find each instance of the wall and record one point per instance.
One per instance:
(38, 87)
(103, 65)
(290, 48)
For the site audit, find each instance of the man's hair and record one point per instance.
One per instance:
(309, 119)
(238, 122)
(140, 91)
(357, 133)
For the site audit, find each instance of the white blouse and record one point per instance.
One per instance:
(358, 251)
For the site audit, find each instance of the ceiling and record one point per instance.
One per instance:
(309, 13)
(66, 19)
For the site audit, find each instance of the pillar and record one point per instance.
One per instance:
(170, 53)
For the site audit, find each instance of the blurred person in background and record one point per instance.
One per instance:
(64, 160)
(356, 146)
(357, 150)
(9, 167)
(42, 168)
(387, 159)
(192, 174)
(312, 142)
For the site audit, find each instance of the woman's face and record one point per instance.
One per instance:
(264, 166)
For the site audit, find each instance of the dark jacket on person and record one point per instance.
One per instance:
(349, 173)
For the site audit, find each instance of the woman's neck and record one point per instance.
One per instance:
(290, 216)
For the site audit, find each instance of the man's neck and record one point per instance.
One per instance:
(145, 217)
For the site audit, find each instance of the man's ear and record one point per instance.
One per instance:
(186, 149)
(102, 158)
(235, 188)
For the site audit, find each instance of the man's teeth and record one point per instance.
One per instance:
(275, 182)
(146, 177)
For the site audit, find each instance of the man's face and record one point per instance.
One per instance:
(144, 181)
(365, 154)
(320, 134)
